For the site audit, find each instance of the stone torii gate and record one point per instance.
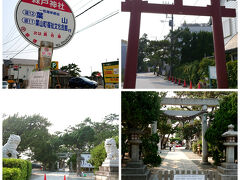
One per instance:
(136, 7)
(205, 103)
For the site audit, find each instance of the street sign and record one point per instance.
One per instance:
(54, 65)
(45, 20)
(39, 80)
(189, 177)
(111, 74)
(212, 72)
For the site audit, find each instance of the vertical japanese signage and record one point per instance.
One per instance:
(45, 20)
(111, 74)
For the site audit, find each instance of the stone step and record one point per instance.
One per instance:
(141, 170)
(227, 177)
(133, 164)
(227, 171)
(136, 176)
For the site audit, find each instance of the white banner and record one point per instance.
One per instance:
(39, 80)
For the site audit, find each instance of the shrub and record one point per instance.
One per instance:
(194, 147)
(232, 74)
(150, 150)
(29, 169)
(18, 163)
(98, 155)
(11, 174)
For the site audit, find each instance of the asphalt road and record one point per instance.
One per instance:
(151, 81)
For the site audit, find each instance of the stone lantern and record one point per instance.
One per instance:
(228, 169)
(231, 137)
(135, 169)
(134, 142)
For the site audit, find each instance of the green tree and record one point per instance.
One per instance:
(72, 69)
(142, 53)
(33, 131)
(98, 154)
(224, 116)
(139, 109)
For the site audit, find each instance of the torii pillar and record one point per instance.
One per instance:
(136, 7)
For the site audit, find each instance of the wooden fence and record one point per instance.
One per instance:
(169, 175)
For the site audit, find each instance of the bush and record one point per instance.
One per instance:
(232, 74)
(29, 169)
(150, 150)
(12, 174)
(194, 147)
(23, 165)
(98, 155)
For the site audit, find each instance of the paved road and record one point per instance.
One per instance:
(180, 159)
(151, 81)
(39, 175)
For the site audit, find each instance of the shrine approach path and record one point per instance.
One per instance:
(151, 81)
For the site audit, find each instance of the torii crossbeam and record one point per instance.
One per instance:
(136, 7)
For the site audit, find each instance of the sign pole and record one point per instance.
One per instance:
(45, 55)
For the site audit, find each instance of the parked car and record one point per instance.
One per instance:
(5, 85)
(82, 82)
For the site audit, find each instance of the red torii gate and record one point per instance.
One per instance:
(136, 7)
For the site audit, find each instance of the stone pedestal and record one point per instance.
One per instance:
(107, 173)
(227, 171)
(135, 170)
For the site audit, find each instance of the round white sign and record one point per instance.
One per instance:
(45, 20)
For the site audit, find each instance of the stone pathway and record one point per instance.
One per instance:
(181, 159)
(177, 160)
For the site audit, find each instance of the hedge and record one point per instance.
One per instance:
(11, 174)
(24, 166)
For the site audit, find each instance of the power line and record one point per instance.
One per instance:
(11, 40)
(99, 21)
(83, 5)
(20, 51)
(89, 8)
(10, 31)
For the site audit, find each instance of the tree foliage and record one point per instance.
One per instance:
(33, 131)
(224, 116)
(140, 109)
(72, 69)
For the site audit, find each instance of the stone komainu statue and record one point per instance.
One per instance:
(111, 149)
(9, 149)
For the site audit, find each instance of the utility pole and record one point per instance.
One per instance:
(171, 50)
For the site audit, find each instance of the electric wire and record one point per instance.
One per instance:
(83, 5)
(99, 21)
(11, 40)
(13, 28)
(89, 8)
(20, 51)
